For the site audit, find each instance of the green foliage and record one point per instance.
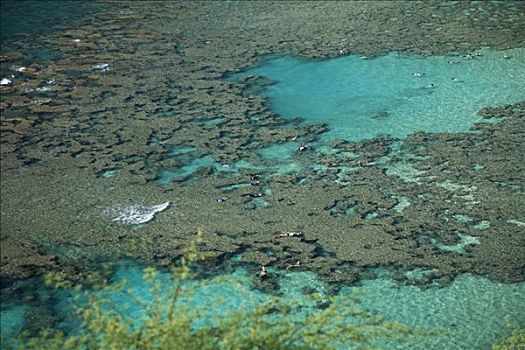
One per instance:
(171, 324)
(515, 341)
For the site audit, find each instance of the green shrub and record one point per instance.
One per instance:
(170, 323)
(515, 341)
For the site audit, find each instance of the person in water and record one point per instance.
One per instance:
(297, 264)
(290, 234)
(303, 148)
(363, 164)
(263, 273)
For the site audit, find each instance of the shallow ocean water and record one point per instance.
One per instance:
(470, 313)
(473, 310)
(461, 309)
(359, 99)
(22, 20)
(395, 94)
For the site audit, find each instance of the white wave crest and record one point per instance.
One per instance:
(136, 214)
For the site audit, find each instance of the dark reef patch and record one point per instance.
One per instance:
(164, 88)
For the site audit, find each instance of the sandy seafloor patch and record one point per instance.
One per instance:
(132, 105)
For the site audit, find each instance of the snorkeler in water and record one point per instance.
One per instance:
(263, 273)
(362, 164)
(303, 148)
(297, 264)
(290, 234)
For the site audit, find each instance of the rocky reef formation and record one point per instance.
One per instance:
(139, 90)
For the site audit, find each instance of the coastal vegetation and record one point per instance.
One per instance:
(169, 323)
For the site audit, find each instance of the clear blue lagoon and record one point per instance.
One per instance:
(395, 94)
(470, 313)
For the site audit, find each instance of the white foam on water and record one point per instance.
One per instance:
(137, 213)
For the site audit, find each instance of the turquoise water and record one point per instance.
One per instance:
(220, 295)
(471, 313)
(278, 153)
(361, 99)
(473, 310)
(12, 319)
(276, 159)
(182, 173)
(193, 164)
(392, 94)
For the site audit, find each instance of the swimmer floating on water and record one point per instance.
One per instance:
(290, 234)
(255, 180)
(297, 264)
(362, 164)
(263, 273)
(328, 163)
(303, 148)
